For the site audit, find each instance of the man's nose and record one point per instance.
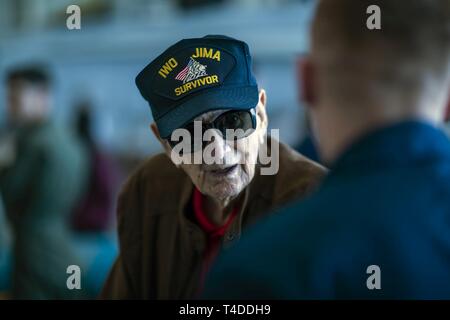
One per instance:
(218, 145)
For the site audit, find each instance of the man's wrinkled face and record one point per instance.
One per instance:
(235, 169)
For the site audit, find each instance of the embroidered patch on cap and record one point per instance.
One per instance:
(192, 69)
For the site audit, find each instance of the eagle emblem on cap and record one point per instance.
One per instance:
(192, 71)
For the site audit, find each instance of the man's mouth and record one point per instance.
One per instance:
(223, 171)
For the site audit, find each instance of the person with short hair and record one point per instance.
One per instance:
(378, 227)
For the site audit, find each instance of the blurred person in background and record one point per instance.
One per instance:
(91, 220)
(40, 188)
(93, 212)
(173, 218)
(378, 227)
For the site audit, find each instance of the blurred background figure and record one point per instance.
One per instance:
(94, 211)
(40, 188)
(92, 219)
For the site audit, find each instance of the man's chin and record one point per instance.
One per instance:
(224, 190)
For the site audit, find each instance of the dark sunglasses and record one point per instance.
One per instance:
(242, 122)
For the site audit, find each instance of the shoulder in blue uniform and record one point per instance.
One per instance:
(377, 228)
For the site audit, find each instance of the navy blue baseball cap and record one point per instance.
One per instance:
(195, 76)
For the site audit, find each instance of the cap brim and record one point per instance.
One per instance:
(238, 98)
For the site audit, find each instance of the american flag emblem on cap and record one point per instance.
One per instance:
(192, 71)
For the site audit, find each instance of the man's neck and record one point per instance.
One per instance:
(345, 133)
(218, 210)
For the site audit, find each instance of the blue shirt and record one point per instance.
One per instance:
(386, 203)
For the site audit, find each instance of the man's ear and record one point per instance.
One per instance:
(306, 75)
(261, 112)
(164, 143)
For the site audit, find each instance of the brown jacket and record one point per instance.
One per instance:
(161, 247)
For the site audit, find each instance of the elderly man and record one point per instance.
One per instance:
(175, 213)
(379, 225)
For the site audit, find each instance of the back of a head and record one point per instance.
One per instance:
(405, 63)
